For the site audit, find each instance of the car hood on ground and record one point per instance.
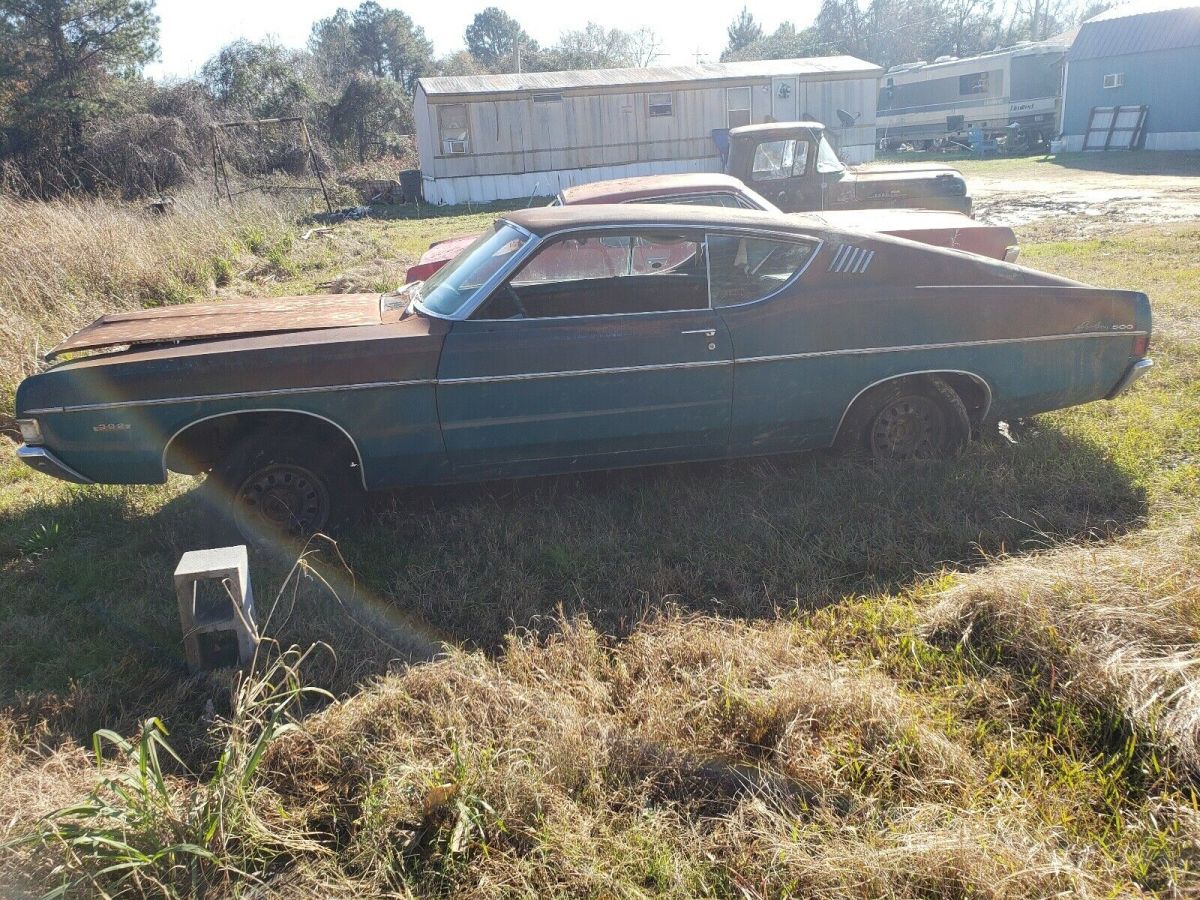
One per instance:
(196, 321)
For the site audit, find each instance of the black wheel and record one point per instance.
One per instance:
(908, 419)
(282, 490)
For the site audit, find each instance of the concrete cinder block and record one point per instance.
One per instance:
(216, 608)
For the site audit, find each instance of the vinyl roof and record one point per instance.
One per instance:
(1140, 27)
(600, 78)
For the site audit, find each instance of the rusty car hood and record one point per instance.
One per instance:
(232, 318)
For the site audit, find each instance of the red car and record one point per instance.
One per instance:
(927, 226)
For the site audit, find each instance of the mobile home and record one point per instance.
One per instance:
(921, 102)
(495, 137)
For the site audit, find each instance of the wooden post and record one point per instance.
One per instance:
(312, 155)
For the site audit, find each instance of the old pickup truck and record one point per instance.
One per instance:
(795, 167)
(572, 338)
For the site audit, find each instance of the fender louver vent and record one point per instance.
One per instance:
(850, 260)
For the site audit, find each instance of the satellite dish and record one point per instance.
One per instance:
(846, 119)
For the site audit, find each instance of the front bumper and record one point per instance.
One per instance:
(1132, 374)
(42, 460)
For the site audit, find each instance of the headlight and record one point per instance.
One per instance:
(31, 431)
(953, 185)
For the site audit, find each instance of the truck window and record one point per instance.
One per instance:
(827, 158)
(776, 160)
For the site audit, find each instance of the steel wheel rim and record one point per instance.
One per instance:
(282, 498)
(909, 428)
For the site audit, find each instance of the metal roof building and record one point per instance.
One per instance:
(1142, 54)
(493, 137)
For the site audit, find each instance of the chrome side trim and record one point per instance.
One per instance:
(945, 346)
(239, 395)
(27, 454)
(812, 354)
(574, 373)
(1132, 374)
(987, 391)
(362, 469)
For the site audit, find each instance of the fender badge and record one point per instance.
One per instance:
(112, 426)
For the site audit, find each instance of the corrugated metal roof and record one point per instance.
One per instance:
(585, 78)
(1141, 27)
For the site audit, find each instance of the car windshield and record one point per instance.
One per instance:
(448, 290)
(827, 158)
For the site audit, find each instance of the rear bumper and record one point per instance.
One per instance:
(42, 460)
(1132, 374)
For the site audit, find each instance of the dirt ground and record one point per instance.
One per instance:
(1077, 196)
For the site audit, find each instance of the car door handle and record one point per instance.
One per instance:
(707, 332)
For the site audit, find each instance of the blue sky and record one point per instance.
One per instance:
(192, 31)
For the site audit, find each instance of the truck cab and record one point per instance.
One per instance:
(794, 166)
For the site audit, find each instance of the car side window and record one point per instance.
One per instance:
(742, 269)
(606, 273)
(776, 160)
(721, 199)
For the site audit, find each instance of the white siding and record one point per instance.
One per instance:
(520, 147)
(486, 188)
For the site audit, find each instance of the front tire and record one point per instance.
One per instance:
(279, 490)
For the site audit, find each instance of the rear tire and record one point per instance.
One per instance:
(276, 490)
(907, 420)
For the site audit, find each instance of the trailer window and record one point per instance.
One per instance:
(662, 105)
(453, 129)
(737, 107)
(744, 269)
(975, 83)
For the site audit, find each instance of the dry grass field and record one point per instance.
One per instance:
(799, 676)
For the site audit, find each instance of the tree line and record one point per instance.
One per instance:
(78, 114)
(889, 32)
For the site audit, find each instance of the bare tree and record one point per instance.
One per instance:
(645, 46)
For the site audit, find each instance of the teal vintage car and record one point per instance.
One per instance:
(571, 338)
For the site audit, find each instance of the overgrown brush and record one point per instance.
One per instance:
(699, 758)
(152, 827)
(1114, 627)
(66, 262)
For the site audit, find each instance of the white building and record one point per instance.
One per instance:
(494, 137)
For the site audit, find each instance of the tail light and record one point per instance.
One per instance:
(1141, 345)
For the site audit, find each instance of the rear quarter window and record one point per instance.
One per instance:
(743, 268)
